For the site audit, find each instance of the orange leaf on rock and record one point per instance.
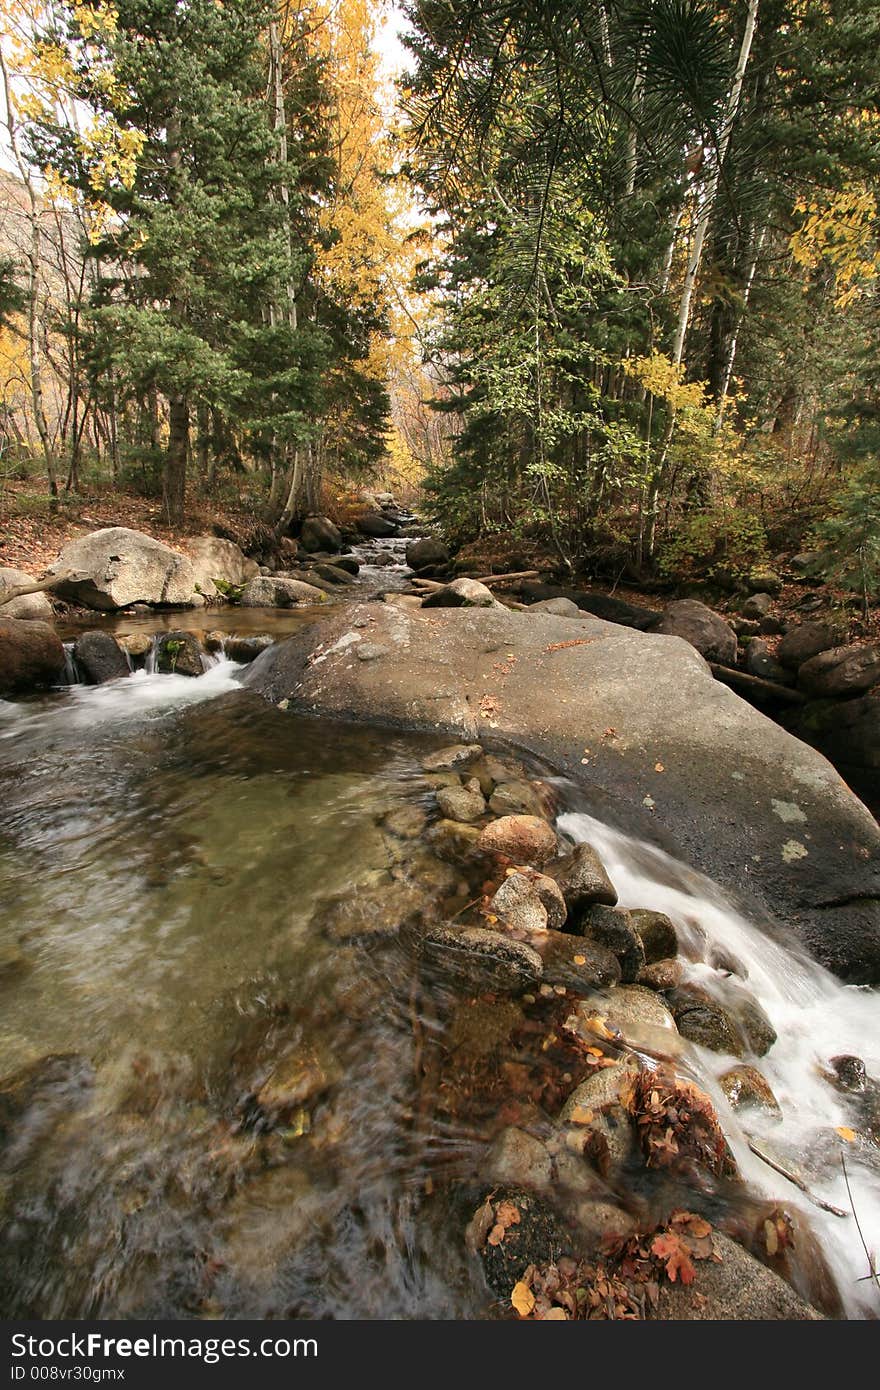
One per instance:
(522, 1299)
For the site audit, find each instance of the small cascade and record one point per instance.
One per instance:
(151, 660)
(72, 673)
(815, 1016)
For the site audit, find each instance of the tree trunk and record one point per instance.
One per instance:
(174, 478)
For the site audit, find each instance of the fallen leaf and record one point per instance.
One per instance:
(579, 960)
(846, 1133)
(581, 1115)
(658, 767)
(771, 1239)
(522, 1299)
(507, 1214)
(496, 1235)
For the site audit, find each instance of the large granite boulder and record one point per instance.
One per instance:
(841, 671)
(31, 655)
(216, 559)
(691, 766)
(427, 551)
(27, 607)
(713, 638)
(116, 567)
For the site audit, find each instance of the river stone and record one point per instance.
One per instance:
(457, 755)
(31, 655)
(756, 1026)
(369, 912)
(611, 927)
(462, 803)
(319, 533)
(515, 798)
(334, 574)
(737, 1289)
(538, 1238)
(426, 552)
(180, 654)
(518, 1160)
(27, 607)
(582, 878)
(657, 933)
(406, 822)
(100, 656)
(573, 964)
(524, 839)
(840, 671)
(295, 1080)
(705, 1022)
(757, 606)
(517, 904)
(850, 1073)
(804, 642)
(461, 593)
(610, 1086)
(638, 1013)
(137, 644)
(745, 1087)
(272, 592)
(806, 853)
(661, 975)
(349, 563)
(492, 772)
(455, 840)
(548, 891)
(761, 662)
(246, 648)
(116, 567)
(559, 607)
(482, 959)
(376, 525)
(713, 638)
(213, 558)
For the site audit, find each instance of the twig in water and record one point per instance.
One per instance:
(798, 1182)
(868, 1256)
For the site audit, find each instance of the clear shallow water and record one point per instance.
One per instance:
(163, 847)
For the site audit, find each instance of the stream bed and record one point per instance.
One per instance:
(166, 847)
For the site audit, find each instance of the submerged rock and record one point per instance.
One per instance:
(481, 959)
(369, 912)
(462, 803)
(517, 1159)
(575, 965)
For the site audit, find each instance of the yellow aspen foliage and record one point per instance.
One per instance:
(841, 231)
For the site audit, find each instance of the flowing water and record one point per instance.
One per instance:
(164, 846)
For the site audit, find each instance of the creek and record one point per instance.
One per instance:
(166, 844)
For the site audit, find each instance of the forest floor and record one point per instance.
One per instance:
(32, 531)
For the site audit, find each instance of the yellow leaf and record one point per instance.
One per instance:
(658, 767)
(579, 960)
(522, 1299)
(845, 1133)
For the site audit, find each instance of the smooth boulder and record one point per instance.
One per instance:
(805, 855)
(841, 671)
(461, 593)
(426, 552)
(116, 567)
(31, 655)
(713, 638)
(272, 591)
(100, 657)
(320, 533)
(33, 608)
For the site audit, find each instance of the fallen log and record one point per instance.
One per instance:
(492, 579)
(756, 685)
(38, 587)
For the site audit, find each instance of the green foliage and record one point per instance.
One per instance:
(850, 537)
(724, 544)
